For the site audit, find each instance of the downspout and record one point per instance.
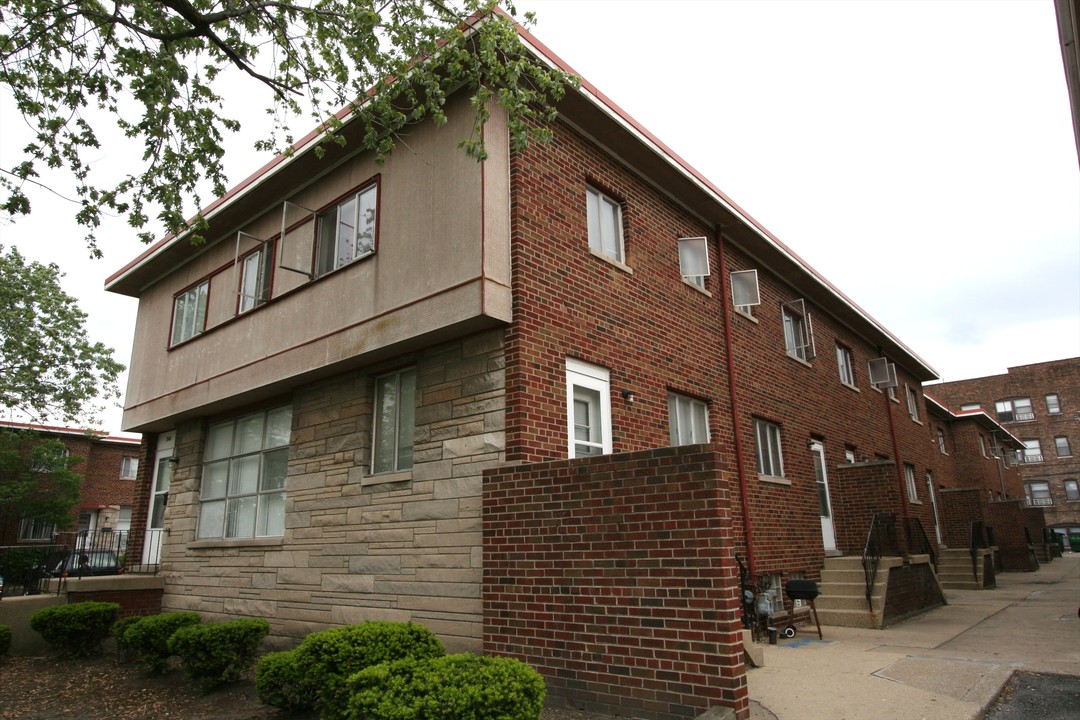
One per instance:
(899, 468)
(725, 304)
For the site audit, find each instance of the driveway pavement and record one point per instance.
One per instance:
(948, 664)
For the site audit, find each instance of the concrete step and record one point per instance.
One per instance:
(847, 618)
(848, 589)
(845, 602)
(828, 575)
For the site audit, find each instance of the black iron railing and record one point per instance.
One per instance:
(26, 569)
(918, 541)
(880, 541)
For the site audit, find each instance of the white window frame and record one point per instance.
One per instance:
(335, 250)
(235, 475)
(688, 420)
(694, 260)
(35, 530)
(605, 224)
(129, 468)
(941, 442)
(1053, 404)
(1061, 441)
(1072, 491)
(1041, 499)
(909, 480)
(393, 429)
(768, 448)
(845, 365)
(1032, 452)
(798, 330)
(968, 407)
(256, 271)
(591, 384)
(189, 313)
(912, 402)
(982, 446)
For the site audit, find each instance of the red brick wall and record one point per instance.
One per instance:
(1009, 520)
(655, 333)
(1060, 377)
(960, 507)
(614, 577)
(132, 602)
(860, 491)
(912, 589)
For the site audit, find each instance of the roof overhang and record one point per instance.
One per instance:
(1068, 22)
(979, 417)
(592, 113)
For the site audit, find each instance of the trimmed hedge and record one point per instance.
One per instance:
(217, 653)
(123, 650)
(148, 638)
(326, 660)
(5, 639)
(280, 683)
(77, 628)
(454, 687)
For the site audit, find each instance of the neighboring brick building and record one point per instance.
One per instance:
(494, 398)
(109, 469)
(1040, 405)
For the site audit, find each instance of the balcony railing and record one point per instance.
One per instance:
(1039, 502)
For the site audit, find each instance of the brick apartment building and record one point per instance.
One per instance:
(1040, 405)
(569, 389)
(109, 469)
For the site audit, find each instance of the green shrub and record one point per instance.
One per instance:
(218, 652)
(280, 683)
(5, 639)
(77, 628)
(454, 687)
(148, 639)
(125, 651)
(325, 661)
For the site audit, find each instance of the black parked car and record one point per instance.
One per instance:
(84, 563)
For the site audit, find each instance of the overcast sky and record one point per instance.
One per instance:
(918, 154)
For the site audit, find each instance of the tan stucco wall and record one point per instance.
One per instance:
(443, 259)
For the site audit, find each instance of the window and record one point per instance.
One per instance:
(129, 468)
(1032, 452)
(771, 597)
(1014, 409)
(1061, 444)
(243, 481)
(745, 291)
(35, 530)
(982, 446)
(1038, 493)
(689, 420)
(912, 402)
(605, 224)
(588, 408)
(694, 260)
(769, 459)
(941, 441)
(1072, 491)
(967, 407)
(48, 457)
(189, 313)
(347, 231)
(909, 479)
(1053, 404)
(395, 422)
(798, 330)
(255, 272)
(843, 362)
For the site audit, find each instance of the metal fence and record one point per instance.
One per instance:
(27, 569)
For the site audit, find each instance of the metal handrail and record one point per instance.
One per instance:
(880, 538)
(919, 541)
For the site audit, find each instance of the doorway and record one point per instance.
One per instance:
(828, 532)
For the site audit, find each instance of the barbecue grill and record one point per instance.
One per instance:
(806, 590)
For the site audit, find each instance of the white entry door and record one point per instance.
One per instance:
(828, 533)
(159, 499)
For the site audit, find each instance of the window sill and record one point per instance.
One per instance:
(915, 502)
(775, 480)
(746, 315)
(917, 421)
(849, 386)
(208, 544)
(697, 287)
(798, 359)
(385, 478)
(612, 261)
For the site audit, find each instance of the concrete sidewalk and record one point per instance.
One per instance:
(949, 663)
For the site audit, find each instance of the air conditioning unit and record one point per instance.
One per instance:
(882, 373)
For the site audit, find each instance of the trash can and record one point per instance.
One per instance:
(1074, 541)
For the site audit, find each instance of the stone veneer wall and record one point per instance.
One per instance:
(354, 549)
